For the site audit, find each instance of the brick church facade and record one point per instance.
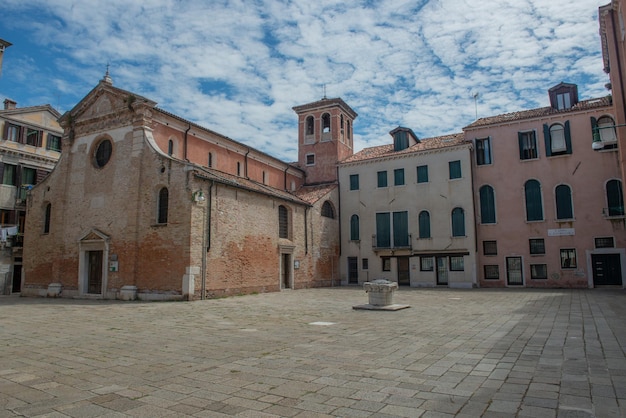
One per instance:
(144, 204)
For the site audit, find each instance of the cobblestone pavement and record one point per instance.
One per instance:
(307, 353)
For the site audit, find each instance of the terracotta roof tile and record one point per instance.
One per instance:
(540, 112)
(312, 194)
(426, 144)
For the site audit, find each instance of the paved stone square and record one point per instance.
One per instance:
(307, 353)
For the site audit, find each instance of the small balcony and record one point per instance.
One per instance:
(386, 244)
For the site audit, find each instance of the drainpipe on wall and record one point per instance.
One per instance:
(206, 238)
(339, 208)
(285, 177)
(185, 144)
(306, 233)
(245, 164)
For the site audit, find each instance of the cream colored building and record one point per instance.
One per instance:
(30, 146)
(407, 213)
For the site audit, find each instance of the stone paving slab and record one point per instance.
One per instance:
(308, 353)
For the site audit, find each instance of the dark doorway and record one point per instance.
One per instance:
(607, 269)
(286, 271)
(514, 276)
(353, 270)
(442, 271)
(17, 278)
(94, 278)
(404, 277)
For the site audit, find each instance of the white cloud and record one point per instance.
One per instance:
(239, 67)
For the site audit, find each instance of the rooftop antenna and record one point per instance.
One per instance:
(475, 95)
(324, 86)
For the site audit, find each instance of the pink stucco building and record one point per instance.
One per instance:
(549, 202)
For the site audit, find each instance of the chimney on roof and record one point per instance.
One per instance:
(9, 104)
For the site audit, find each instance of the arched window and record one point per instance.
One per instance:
(326, 123)
(487, 205)
(615, 198)
(238, 168)
(170, 147)
(606, 129)
(348, 129)
(564, 208)
(458, 222)
(163, 206)
(102, 153)
(210, 160)
(424, 224)
(327, 210)
(354, 228)
(283, 222)
(557, 138)
(46, 220)
(310, 125)
(264, 177)
(534, 206)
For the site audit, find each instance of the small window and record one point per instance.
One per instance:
(163, 205)
(53, 143)
(46, 221)
(365, 264)
(310, 159)
(527, 145)
(456, 263)
(424, 224)
(103, 153)
(327, 210)
(210, 160)
(354, 182)
(537, 246)
(400, 141)
(538, 271)
(558, 139)
(568, 258)
(422, 174)
(264, 177)
(238, 168)
(398, 177)
(8, 175)
(326, 123)
(386, 263)
(564, 209)
(458, 222)
(33, 137)
(483, 151)
(455, 169)
(382, 179)
(354, 228)
(426, 263)
(490, 247)
(170, 147)
(283, 222)
(563, 101)
(492, 272)
(606, 130)
(12, 132)
(605, 242)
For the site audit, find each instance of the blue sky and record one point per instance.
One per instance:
(238, 67)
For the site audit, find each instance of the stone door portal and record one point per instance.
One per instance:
(94, 272)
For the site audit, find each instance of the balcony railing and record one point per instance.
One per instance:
(396, 243)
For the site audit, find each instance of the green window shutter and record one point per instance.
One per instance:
(424, 224)
(383, 232)
(568, 138)
(520, 140)
(564, 202)
(546, 138)
(594, 126)
(354, 228)
(615, 198)
(455, 169)
(398, 177)
(458, 222)
(422, 174)
(487, 205)
(401, 229)
(354, 182)
(534, 209)
(382, 179)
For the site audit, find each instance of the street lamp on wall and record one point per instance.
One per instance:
(198, 196)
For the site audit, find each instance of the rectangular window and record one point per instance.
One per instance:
(455, 169)
(538, 271)
(386, 263)
(54, 143)
(401, 229)
(354, 182)
(492, 272)
(365, 263)
(310, 159)
(527, 145)
(398, 177)
(605, 242)
(537, 246)
(490, 247)
(483, 151)
(568, 258)
(422, 174)
(382, 179)
(383, 230)
(12, 132)
(392, 228)
(456, 263)
(426, 263)
(8, 176)
(32, 137)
